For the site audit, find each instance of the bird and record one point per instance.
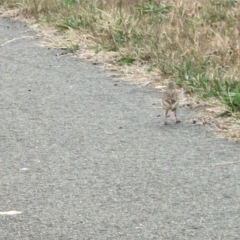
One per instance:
(170, 101)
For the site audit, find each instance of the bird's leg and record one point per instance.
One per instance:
(175, 114)
(166, 116)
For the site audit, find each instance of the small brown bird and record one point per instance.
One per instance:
(170, 101)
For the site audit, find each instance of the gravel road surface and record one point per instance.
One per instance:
(83, 156)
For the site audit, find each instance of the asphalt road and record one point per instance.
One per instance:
(85, 157)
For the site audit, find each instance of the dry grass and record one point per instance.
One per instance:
(196, 43)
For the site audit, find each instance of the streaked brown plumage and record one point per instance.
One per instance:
(170, 100)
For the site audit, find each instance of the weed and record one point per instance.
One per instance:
(125, 60)
(70, 49)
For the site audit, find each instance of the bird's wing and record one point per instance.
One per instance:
(175, 105)
(166, 104)
(170, 100)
